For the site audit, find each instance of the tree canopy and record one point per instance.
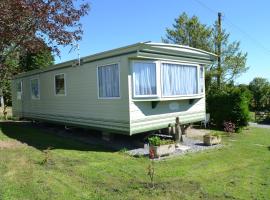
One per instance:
(260, 88)
(29, 24)
(190, 31)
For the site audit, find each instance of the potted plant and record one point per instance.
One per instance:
(211, 139)
(160, 147)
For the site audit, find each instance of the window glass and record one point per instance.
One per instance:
(108, 81)
(201, 79)
(35, 93)
(19, 90)
(178, 79)
(60, 84)
(144, 79)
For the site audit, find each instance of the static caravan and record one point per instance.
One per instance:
(128, 90)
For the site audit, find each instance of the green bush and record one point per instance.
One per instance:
(156, 141)
(228, 104)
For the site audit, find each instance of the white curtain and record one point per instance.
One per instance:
(108, 80)
(35, 89)
(179, 79)
(201, 79)
(144, 75)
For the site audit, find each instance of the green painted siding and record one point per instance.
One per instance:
(81, 104)
(82, 107)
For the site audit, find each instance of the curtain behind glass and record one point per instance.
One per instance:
(35, 89)
(144, 75)
(108, 80)
(201, 79)
(179, 79)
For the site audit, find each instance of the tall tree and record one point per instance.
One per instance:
(28, 24)
(36, 28)
(190, 31)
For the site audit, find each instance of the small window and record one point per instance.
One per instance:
(35, 93)
(144, 79)
(201, 79)
(108, 81)
(60, 85)
(19, 90)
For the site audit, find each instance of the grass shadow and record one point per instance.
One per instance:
(43, 139)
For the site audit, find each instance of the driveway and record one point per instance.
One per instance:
(258, 125)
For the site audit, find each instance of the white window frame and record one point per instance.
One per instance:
(19, 94)
(157, 63)
(32, 97)
(180, 63)
(119, 68)
(202, 92)
(65, 84)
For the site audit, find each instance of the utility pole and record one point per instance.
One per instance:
(219, 70)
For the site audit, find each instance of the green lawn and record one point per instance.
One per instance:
(240, 170)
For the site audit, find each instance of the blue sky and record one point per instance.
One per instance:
(115, 23)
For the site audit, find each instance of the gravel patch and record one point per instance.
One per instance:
(189, 145)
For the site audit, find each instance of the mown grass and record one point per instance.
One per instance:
(240, 170)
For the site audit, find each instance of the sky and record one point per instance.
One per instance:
(115, 23)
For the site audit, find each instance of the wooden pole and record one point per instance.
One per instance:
(219, 72)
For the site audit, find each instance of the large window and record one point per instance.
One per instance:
(178, 79)
(19, 90)
(60, 85)
(144, 79)
(35, 91)
(108, 81)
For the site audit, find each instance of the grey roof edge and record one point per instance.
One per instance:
(113, 52)
(181, 47)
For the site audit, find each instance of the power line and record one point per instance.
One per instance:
(230, 23)
(255, 41)
(206, 7)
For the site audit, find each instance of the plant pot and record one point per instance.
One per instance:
(162, 150)
(211, 140)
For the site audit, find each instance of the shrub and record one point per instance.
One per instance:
(156, 141)
(228, 105)
(229, 127)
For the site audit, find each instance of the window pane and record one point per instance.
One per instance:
(35, 89)
(108, 81)
(179, 79)
(201, 79)
(60, 84)
(19, 90)
(144, 75)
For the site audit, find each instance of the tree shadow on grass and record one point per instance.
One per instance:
(269, 148)
(43, 139)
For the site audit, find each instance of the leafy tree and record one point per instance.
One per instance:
(260, 89)
(30, 30)
(191, 32)
(29, 61)
(29, 24)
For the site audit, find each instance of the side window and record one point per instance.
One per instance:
(60, 84)
(144, 79)
(35, 90)
(19, 90)
(108, 81)
(201, 79)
